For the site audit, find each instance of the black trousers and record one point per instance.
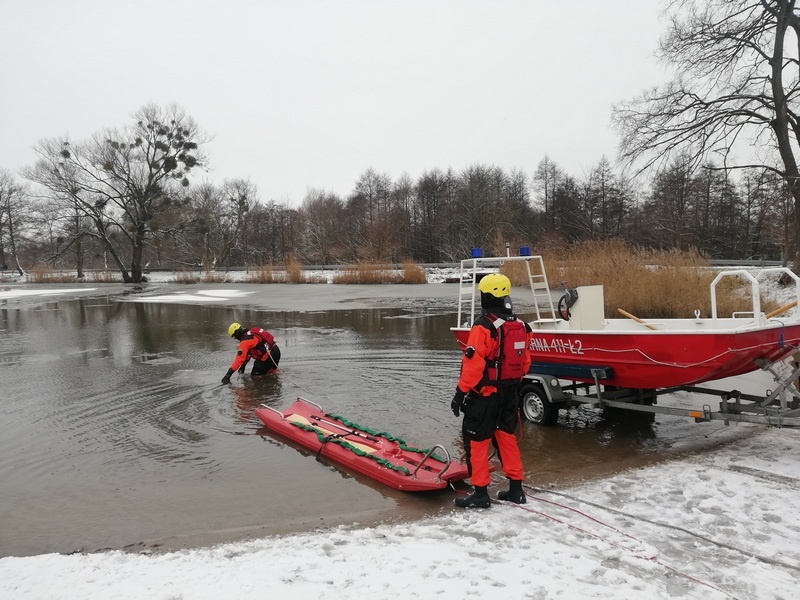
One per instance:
(262, 367)
(483, 415)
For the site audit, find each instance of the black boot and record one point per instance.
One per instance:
(477, 499)
(514, 494)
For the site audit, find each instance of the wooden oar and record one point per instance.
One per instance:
(782, 309)
(295, 418)
(637, 319)
(347, 429)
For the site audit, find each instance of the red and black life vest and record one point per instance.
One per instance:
(266, 342)
(507, 363)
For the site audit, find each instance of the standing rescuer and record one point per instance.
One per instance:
(494, 362)
(255, 343)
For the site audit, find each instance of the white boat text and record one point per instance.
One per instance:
(556, 345)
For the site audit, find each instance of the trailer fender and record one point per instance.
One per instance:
(550, 386)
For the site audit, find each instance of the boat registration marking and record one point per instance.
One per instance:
(556, 345)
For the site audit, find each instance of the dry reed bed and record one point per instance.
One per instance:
(647, 283)
(374, 273)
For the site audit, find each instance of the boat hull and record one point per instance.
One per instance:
(658, 359)
(382, 458)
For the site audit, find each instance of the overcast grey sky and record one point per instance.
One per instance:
(303, 94)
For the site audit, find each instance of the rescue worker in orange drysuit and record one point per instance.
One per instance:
(487, 392)
(255, 343)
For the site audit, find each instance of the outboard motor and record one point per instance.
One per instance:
(566, 301)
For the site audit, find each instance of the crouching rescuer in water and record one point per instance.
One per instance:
(255, 343)
(494, 362)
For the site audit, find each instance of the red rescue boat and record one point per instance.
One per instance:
(379, 456)
(574, 340)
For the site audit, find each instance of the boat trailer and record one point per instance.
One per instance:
(542, 395)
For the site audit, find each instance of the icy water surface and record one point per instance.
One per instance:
(116, 431)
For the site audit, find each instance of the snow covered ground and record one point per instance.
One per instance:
(720, 524)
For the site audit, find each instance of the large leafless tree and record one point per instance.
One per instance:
(735, 86)
(14, 204)
(124, 180)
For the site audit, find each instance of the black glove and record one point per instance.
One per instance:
(457, 403)
(227, 378)
(241, 369)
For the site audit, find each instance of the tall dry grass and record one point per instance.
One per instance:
(412, 273)
(381, 272)
(366, 273)
(202, 277)
(264, 274)
(292, 272)
(295, 273)
(646, 283)
(44, 274)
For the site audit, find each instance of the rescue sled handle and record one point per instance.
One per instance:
(277, 412)
(283, 416)
(428, 455)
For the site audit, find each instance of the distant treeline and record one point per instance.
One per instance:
(124, 201)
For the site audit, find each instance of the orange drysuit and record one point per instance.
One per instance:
(490, 409)
(252, 346)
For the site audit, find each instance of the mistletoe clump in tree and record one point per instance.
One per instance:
(124, 181)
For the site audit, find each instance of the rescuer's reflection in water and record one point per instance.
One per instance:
(253, 392)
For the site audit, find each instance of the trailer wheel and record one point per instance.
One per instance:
(535, 406)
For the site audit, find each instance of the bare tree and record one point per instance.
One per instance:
(736, 83)
(402, 215)
(604, 201)
(548, 177)
(240, 196)
(123, 181)
(430, 203)
(13, 205)
(673, 196)
(371, 197)
(323, 213)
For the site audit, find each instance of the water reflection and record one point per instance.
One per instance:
(254, 392)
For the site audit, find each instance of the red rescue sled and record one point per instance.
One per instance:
(377, 455)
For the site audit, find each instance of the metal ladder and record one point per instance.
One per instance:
(540, 289)
(469, 297)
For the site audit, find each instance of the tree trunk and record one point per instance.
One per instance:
(796, 263)
(101, 231)
(12, 242)
(78, 247)
(137, 251)
(79, 257)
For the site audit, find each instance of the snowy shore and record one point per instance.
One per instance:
(716, 525)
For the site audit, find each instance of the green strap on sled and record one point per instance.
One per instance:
(386, 435)
(344, 443)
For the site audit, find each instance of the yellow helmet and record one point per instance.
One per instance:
(233, 329)
(496, 284)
